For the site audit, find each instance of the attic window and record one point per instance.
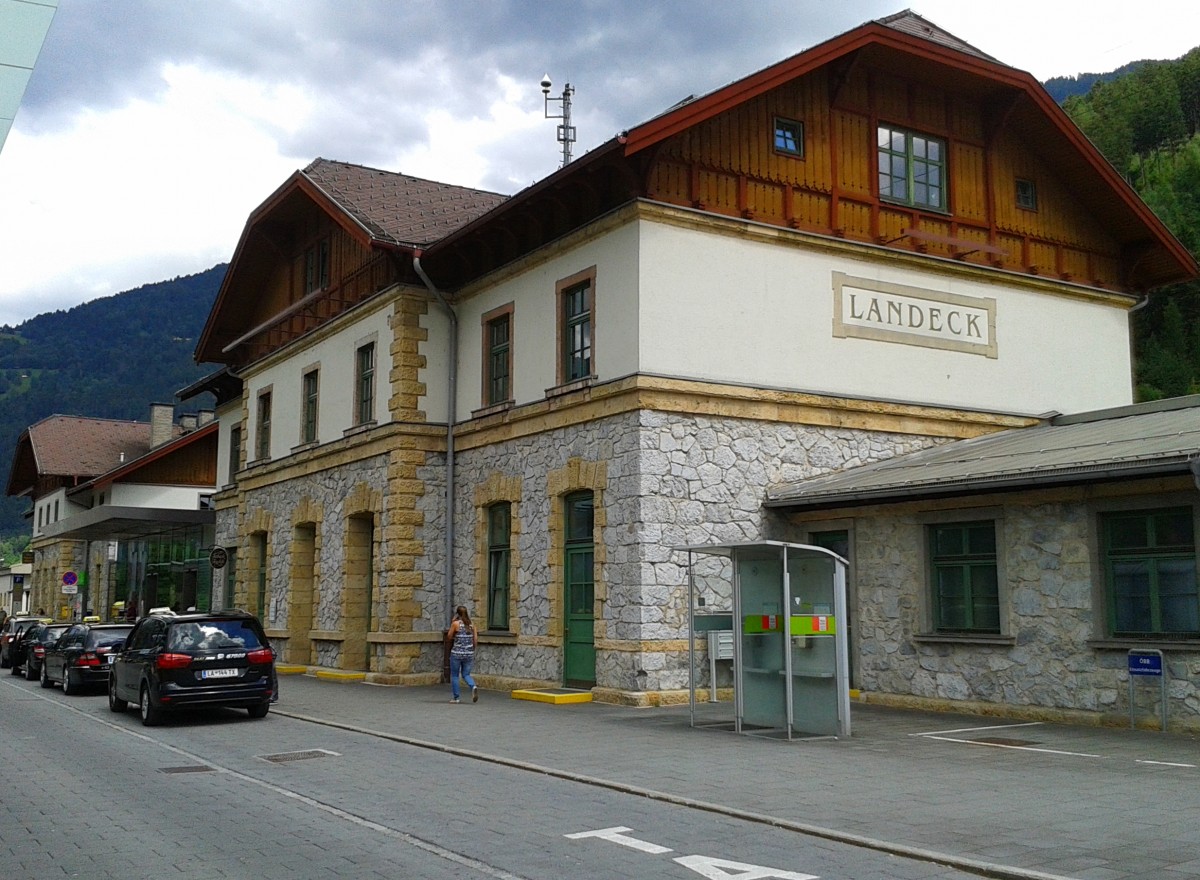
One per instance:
(1026, 194)
(789, 137)
(316, 266)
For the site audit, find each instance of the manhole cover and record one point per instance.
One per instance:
(287, 757)
(193, 768)
(1003, 741)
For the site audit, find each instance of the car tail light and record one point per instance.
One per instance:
(39, 651)
(261, 655)
(88, 658)
(173, 661)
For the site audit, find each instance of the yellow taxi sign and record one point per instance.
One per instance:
(92, 618)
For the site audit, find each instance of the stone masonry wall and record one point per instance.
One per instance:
(1047, 579)
(671, 480)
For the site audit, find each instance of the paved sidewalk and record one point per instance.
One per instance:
(1036, 801)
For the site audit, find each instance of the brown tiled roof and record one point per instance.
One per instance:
(909, 22)
(396, 207)
(73, 446)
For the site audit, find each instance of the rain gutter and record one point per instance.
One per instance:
(451, 420)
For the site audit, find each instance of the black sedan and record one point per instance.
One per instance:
(81, 655)
(27, 653)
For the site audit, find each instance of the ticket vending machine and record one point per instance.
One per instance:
(788, 616)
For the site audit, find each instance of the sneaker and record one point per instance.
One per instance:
(474, 695)
(455, 700)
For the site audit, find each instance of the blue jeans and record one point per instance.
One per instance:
(460, 666)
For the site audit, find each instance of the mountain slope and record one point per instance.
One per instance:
(109, 358)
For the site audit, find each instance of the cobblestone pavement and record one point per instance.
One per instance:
(998, 797)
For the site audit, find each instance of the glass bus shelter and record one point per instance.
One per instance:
(781, 608)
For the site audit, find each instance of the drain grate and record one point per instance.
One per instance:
(288, 757)
(191, 768)
(1003, 741)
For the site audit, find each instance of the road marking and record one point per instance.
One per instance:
(971, 742)
(402, 836)
(1165, 763)
(618, 835)
(935, 733)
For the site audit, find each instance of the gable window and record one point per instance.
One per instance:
(1149, 559)
(499, 552)
(262, 440)
(1026, 194)
(912, 168)
(963, 575)
(310, 385)
(575, 304)
(316, 266)
(497, 358)
(789, 137)
(235, 453)
(364, 383)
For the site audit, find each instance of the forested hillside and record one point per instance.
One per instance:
(109, 358)
(1147, 124)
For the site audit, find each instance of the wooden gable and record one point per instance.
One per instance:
(299, 264)
(997, 127)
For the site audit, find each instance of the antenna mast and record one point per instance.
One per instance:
(566, 131)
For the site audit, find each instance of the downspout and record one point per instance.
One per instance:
(451, 418)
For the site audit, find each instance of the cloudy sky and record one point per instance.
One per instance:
(151, 128)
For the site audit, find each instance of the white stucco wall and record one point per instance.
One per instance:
(335, 356)
(534, 339)
(728, 309)
(229, 416)
(688, 303)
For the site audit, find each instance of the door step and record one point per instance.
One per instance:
(553, 695)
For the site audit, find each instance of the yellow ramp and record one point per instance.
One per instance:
(553, 695)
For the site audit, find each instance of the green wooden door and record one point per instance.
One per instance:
(579, 645)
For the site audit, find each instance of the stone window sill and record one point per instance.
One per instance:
(492, 409)
(1192, 645)
(359, 429)
(965, 639)
(567, 388)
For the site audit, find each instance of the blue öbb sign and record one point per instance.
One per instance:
(1145, 664)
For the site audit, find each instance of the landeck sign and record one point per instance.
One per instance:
(886, 312)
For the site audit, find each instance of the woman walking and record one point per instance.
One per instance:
(462, 638)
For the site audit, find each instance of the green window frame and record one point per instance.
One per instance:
(499, 359)
(1149, 559)
(577, 331)
(262, 445)
(499, 557)
(311, 386)
(964, 577)
(912, 168)
(364, 380)
(789, 137)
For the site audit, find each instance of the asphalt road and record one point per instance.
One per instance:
(86, 793)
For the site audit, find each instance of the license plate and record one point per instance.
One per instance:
(220, 673)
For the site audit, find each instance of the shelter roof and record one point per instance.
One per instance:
(1142, 440)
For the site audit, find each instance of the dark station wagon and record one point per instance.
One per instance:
(176, 661)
